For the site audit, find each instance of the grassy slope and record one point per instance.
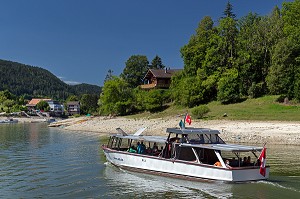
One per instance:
(261, 109)
(264, 108)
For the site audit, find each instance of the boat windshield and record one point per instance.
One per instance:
(205, 139)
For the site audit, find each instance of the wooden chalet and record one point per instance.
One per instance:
(158, 78)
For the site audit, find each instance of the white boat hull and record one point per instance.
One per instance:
(187, 169)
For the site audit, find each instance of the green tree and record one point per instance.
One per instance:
(116, 97)
(154, 100)
(43, 105)
(72, 98)
(194, 53)
(88, 103)
(135, 70)
(228, 87)
(228, 32)
(157, 63)
(228, 11)
(109, 75)
(291, 29)
(8, 103)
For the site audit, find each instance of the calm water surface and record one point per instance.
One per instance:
(41, 162)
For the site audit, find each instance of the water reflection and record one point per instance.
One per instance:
(145, 185)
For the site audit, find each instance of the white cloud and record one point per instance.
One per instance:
(72, 82)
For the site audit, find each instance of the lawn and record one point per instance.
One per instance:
(262, 109)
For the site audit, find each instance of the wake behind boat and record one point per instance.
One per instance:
(187, 153)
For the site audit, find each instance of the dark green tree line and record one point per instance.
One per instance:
(249, 57)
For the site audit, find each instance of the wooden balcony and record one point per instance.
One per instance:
(151, 86)
(148, 86)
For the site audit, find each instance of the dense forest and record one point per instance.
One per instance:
(228, 61)
(29, 81)
(241, 58)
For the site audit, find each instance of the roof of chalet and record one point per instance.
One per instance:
(161, 73)
(35, 101)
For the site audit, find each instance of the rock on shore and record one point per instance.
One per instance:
(256, 132)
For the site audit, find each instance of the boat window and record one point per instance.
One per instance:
(205, 139)
(216, 139)
(111, 141)
(115, 142)
(240, 159)
(206, 156)
(185, 153)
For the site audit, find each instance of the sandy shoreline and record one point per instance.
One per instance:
(256, 132)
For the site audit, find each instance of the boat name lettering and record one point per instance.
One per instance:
(120, 159)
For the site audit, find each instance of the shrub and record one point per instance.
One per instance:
(199, 111)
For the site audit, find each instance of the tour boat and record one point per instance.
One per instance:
(191, 153)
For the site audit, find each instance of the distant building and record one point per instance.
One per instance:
(158, 78)
(56, 108)
(31, 106)
(73, 107)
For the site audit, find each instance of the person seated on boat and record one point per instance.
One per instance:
(227, 164)
(244, 162)
(131, 149)
(234, 162)
(218, 164)
(257, 163)
(154, 148)
(141, 148)
(248, 162)
(148, 150)
(184, 139)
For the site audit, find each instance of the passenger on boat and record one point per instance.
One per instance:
(218, 164)
(227, 164)
(245, 161)
(248, 162)
(131, 149)
(154, 148)
(234, 162)
(148, 150)
(141, 148)
(184, 139)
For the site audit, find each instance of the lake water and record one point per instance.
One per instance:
(41, 162)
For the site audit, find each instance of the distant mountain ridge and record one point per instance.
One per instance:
(21, 79)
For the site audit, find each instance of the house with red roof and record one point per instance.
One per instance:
(33, 102)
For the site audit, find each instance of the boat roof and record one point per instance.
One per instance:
(225, 147)
(158, 139)
(221, 147)
(192, 131)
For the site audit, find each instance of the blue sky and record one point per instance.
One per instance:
(80, 40)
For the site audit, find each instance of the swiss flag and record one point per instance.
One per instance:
(188, 119)
(262, 159)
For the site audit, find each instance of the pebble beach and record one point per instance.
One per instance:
(256, 132)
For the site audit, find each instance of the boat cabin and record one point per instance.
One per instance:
(194, 145)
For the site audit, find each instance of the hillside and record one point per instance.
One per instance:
(21, 79)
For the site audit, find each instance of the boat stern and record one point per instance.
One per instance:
(249, 174)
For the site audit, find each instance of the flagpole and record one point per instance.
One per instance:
(184, 119)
